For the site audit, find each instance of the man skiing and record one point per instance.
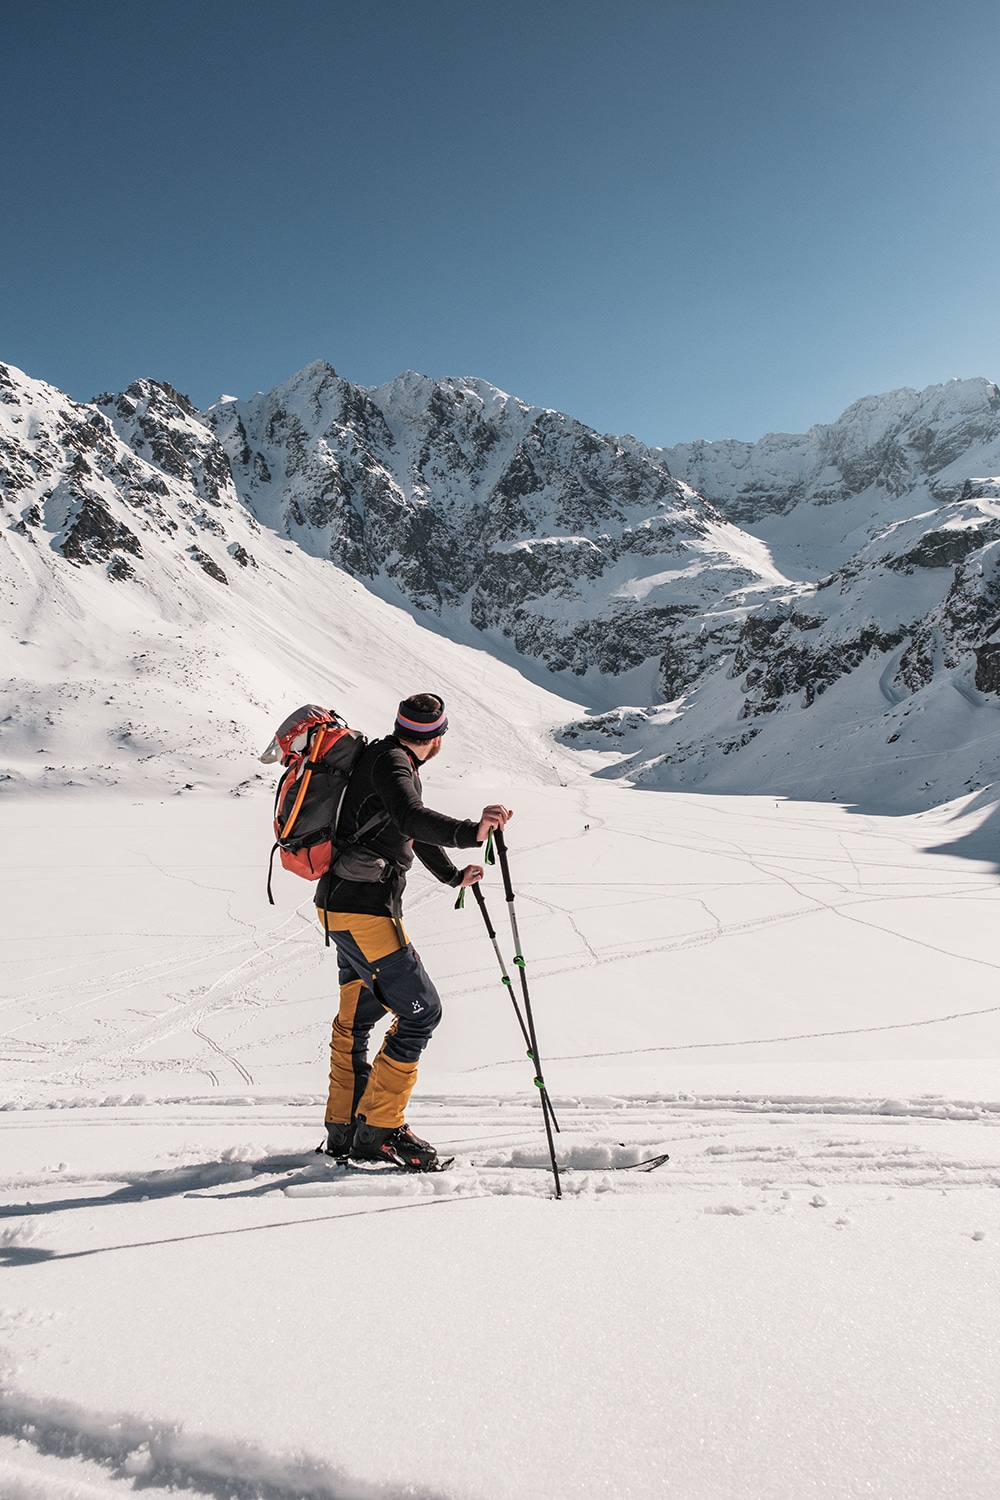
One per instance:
(359, 905)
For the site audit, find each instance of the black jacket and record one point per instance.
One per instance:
(386, 779)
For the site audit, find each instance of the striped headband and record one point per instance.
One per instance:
(425, 729)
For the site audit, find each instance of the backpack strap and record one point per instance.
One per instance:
(374, 822)
(311, 764)
(377, 821)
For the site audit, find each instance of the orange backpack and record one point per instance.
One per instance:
(319, 752)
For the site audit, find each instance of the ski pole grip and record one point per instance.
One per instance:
(501, 844)
(482, 907)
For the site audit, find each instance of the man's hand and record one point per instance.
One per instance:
(493, 816)
(472, 874)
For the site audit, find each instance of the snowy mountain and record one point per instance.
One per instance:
(880, 684)
(879, 677)
(836, 484)
(814, 615)
(155, 632)
(569, 547)
(869, 542)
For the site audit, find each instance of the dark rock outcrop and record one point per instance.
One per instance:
(94, 534)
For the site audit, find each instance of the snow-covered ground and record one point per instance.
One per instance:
(797, 1001)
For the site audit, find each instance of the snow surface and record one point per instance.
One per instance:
(803, 1301)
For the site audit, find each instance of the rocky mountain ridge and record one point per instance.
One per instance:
(887, 672)
(893, 445)
(579, 550)
(868, 549)
(120, 571)
(154, 634)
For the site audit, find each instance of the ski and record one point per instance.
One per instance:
(382, 1169)
(377, 1168)
(649, 1165)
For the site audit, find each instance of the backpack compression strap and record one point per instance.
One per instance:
(311, 764)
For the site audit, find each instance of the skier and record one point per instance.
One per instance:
(359, 905)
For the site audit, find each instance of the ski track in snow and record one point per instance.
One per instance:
(500, 1149)
(848, 878)
(117, 1453)
(831, 1160)
(229, 991)
(241, 1070)
(729, 1160)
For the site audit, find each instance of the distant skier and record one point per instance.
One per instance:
(359, 904)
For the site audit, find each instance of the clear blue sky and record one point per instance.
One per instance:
(678, 218)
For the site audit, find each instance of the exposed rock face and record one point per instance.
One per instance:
(240, 555)
(887, 521)
(794, 652)
(162, 426)
(58, 472)
(95, 534)
(91, 481)
(896, 443)
(886, 675)
(578, 549)
(586, 551)
(208, 565)
(117, 652)
(988, 667)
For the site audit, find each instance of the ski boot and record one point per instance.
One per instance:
(339, 1139)
(398, 1147)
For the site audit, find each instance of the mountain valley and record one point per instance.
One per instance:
(813, 615)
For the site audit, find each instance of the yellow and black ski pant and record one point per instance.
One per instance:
(378, 973)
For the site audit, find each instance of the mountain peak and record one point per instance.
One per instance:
(317, 369)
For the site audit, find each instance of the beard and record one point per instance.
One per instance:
(435, 747)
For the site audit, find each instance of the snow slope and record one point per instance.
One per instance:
(157, 633)
(796, 1002)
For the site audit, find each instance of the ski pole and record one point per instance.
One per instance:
(508, 984)
(506, 980)
(501, 848)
